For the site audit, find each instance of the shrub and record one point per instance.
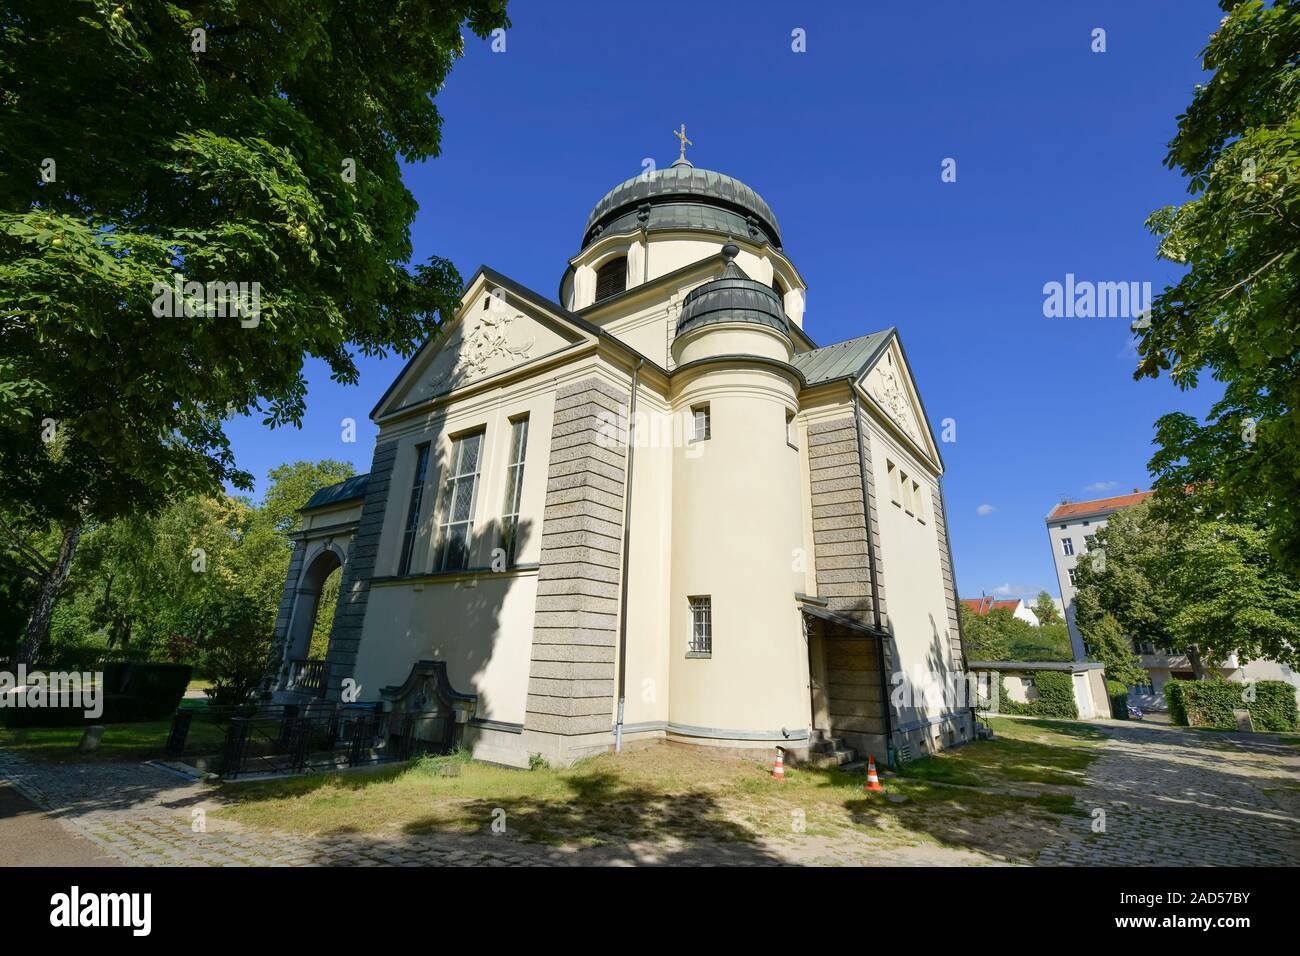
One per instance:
(1055, 697)
(1210, 703)
(1274, 706)
(1118, 695)
(1176, 702)
(132, 693)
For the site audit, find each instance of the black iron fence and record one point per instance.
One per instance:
(236, 741)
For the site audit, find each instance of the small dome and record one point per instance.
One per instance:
(733, 298)
(683, 197)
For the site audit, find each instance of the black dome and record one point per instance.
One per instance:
(683, 197)
(733, 298)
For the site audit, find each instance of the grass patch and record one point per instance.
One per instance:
(1054, 752)
(652, 794)
(141, 741)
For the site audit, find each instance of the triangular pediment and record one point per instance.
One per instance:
(493, 331)
(889, 385)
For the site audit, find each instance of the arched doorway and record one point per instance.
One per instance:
(309, 627)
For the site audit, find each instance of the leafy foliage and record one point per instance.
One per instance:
(1055, 697)
(217, 159)
(1045, 610)
(1210, 703)
(1000, 636)
(1184, 580)
(1236, 312)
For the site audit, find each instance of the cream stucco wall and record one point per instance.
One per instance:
(737, 527)
(912, 576)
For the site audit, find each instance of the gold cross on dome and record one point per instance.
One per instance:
(681, 135)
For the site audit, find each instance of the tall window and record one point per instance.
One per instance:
(514, 487)
(1089, 541)
(701, 423)
(611, 278)
(1067, 546)
(462, 483)
(701, 625)
(779, 289)
(790, 432)
(413, 509)
(1074, 576)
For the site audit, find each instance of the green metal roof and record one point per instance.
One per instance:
(682, 185)
(349, 489)
(733, 298)
(847, 359)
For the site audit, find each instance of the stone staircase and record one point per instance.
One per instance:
(828, 751)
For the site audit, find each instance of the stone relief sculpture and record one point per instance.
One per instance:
(488, 340)
(889, 391)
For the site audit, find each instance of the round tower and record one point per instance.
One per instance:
(737, 656)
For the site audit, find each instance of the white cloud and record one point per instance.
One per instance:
(984, 510)
(1027, 591)
(1101, 486)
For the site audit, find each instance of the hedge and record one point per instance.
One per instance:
(1055, 697)
(1210, 703)
(131, 693)
(1118, 695)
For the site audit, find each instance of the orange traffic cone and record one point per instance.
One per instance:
(873, 782)
(778, 769)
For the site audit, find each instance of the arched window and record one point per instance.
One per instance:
(779, 289)
(611, 278)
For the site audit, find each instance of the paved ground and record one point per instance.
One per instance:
(1170, 796)
(30, 837)
(1176, 797)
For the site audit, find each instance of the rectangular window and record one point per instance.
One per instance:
(413, 509)
(895, 489)
(790, 433)
(1067, 546)
(907, 492)
(917, 502)
(702, 426)
(462, 483)
(1074, 577)
(701, 625)
(514, 487)
(1089, 541)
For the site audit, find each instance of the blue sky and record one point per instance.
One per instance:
(1058, 156)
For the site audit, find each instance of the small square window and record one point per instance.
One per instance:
(701, 423)
(701, 626)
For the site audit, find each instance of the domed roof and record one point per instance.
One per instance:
(683, 197)
(733, 298)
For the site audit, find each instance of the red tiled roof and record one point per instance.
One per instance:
(1117, 503)
(982, 606)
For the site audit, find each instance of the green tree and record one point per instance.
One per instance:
(1185, 579)
(1045, 609)
(985, 635)
(233, 142)
(1235, 313)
